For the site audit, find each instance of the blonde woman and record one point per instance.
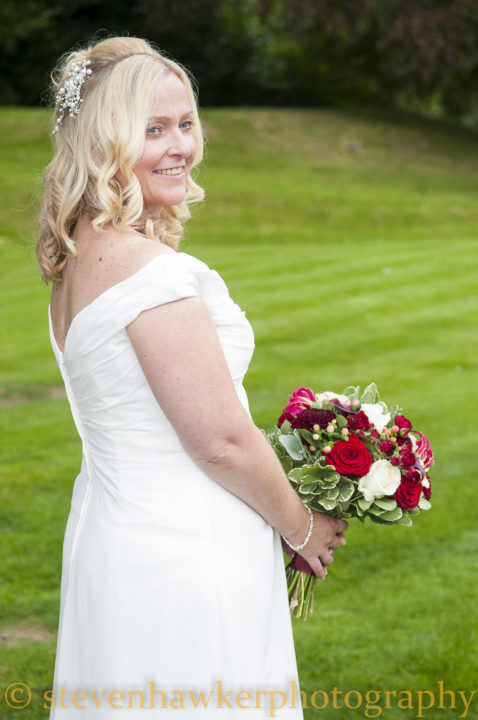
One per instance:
(173, 578)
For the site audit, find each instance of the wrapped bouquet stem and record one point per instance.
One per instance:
(349, 455)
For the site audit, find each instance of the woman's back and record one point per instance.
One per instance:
(148, 531)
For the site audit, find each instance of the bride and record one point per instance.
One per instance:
(172, 571)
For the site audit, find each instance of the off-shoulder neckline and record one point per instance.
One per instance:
(131, 277)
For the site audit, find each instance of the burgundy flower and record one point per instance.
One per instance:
(395, 460)
(308, 418)
(350, 457)
(413, 474)
(300, 399)
(387, 447)
(407, 458)
(408, 493)
(403, 424)
(375, 434)
(359, 421)
(427, 491)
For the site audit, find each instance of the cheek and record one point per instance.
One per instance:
(192, 149)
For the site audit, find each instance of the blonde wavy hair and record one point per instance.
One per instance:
(108, 136)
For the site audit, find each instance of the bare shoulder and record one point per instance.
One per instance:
(111, 255)
(124, 252)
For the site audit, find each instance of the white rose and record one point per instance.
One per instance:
(383, 479)
(332, 396)
(376, 415)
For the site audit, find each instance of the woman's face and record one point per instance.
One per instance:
(169, 146)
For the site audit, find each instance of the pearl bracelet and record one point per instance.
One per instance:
(299, 547)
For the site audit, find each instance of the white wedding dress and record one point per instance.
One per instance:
(171, 585)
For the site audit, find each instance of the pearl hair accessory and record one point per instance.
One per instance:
(69, 94)
(299, 547)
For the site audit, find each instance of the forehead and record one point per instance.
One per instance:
(171, 97)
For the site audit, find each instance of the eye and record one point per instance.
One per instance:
(154, 130)
(186, 124)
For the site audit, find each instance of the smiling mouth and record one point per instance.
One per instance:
(170, 171)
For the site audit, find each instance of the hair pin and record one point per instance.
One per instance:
(69, 95)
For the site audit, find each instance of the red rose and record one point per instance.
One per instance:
(350, 457)
(359, 421)
(395, 460)
(300, 399)
(387, 447)
(375, 434)
(404, 424)
(407, 458)
(408, 493)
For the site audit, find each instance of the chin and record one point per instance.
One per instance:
(173, 198)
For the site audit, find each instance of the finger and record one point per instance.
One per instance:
(319, 570)
(342, 525)
(326, 558)
(336, 542)
(342, 538)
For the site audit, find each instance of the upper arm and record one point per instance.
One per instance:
(179, 351)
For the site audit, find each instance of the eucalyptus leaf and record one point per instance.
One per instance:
(392, 515)
(293, 446)
(386, 503)
(370, 394)
(364, 504)
(424, 504)
(341, 421)
(405, 520)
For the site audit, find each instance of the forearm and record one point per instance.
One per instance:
(249, 468)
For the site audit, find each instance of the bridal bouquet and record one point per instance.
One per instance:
(349, 455)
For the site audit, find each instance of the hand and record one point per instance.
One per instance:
(327, 536)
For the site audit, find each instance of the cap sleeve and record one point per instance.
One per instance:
(163, 279)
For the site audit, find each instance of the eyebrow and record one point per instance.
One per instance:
(166, 118)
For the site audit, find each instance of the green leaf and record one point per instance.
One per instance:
(370, 394)
(308, 489)
(341, 421)
(364, 504)
(405, 520)
(333, 493)
(326, 503)
(352, 392)
(346, 489)
(386, 504)
(293, 446)
(424, 504)
(392, 515)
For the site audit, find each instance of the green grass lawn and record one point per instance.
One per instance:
(350, 239)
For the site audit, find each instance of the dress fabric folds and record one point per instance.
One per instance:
(171, 586)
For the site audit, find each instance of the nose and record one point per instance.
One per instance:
(181, 144)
